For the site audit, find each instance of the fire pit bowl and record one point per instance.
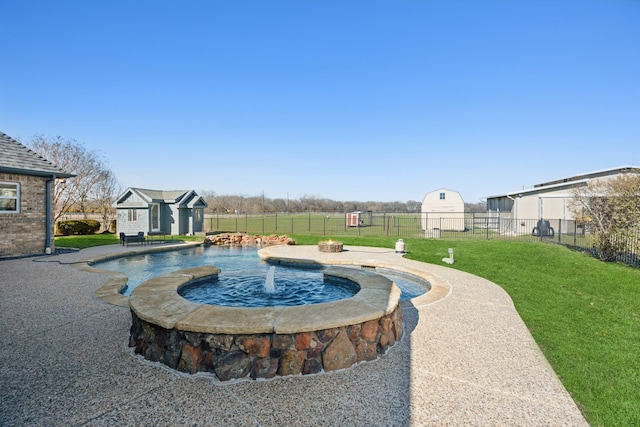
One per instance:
(329, 246)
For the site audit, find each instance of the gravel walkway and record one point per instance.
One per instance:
(467, 359)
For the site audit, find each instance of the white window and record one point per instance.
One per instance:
(9, 197)
(155, 217)
(132, 214)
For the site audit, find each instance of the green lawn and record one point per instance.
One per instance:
(583, 313)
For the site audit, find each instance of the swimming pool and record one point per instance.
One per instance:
(234, 261)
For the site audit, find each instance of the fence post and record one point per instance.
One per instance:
(291, 225)
(263, 224)
(276, 222)
(473, 222)
(486, 223)
(559, 230)
(236, 223)
(540, 234)
(309, 221)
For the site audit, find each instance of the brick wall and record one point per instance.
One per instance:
(24, 233)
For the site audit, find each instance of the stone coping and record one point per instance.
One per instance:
(110, 291)
(365, 258)
(157, 301)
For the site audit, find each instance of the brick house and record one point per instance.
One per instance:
(26, 195)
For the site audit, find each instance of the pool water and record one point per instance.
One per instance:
(240, 264)
(292, 287)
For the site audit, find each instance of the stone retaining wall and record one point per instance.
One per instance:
(255, 356)
(226, 239)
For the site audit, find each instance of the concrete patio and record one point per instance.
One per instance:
(465, 359)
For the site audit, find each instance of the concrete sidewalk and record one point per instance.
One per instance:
(466, 359)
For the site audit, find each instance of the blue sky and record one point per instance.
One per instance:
(347, 100)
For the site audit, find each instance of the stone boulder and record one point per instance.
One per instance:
(340, 354)
(243, 239)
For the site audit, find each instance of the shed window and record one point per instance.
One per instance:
(9, 197)
(198, 215)
(441, 196)
(132, 214)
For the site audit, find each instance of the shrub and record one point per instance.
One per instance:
(80, 226)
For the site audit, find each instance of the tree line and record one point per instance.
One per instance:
(259, 204)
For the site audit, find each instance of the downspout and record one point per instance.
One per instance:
(47, 192)
(515, 223)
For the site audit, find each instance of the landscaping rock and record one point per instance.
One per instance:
(291, 362)
(264, 368)
(247, 240)
(233, 366)
(340, 353)
(190, 359)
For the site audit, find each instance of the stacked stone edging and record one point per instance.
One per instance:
(243, 239)
(266, 355)
(262, 342)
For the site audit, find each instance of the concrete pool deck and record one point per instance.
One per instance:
(465, 359)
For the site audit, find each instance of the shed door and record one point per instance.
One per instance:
(155, 217)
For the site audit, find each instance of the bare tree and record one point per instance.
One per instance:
(611, 208)
(475, 207)
(71, 157)
(626, 189)
(104, 194)
(224, 203)
(209, 197)
(414, 206)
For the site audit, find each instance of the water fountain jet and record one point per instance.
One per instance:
(269, 283)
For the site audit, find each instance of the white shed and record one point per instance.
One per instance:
(442, 209)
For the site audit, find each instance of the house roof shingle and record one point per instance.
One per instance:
(167, 196)
(183, 198)
(16, 158)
